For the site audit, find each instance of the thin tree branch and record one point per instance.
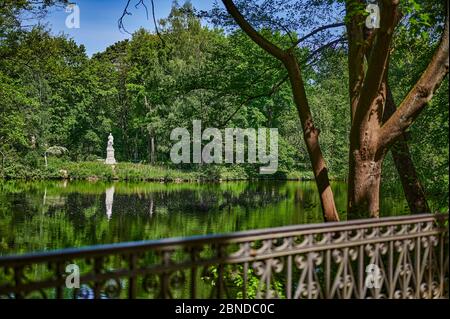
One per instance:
(323, 47)
(156, 24)
(124, 13)
(141, 2)
(285, 29)
(325, 27)
(127, 13)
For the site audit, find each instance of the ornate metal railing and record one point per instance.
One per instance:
(397, 257)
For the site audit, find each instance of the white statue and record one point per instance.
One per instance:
(110, 140)
(110, 151)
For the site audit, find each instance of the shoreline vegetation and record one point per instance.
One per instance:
(135, 172)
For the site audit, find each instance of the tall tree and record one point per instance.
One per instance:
(368, 62)
(370, 138)
(310, 132)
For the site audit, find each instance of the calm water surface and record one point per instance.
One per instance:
(43, 216)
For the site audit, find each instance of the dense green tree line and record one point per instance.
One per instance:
(52, 93)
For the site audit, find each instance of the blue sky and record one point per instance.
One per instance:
(98, 20)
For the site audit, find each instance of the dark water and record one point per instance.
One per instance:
(44, 216)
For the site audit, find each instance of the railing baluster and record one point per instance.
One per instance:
(378, 260)
(310, 268)
(165, 284)
(289, 277)
(245, 281)
(98, 265)
(132, 289)
(390, 284)
(404, 264)
(328, 274)
(268, 275)
(441, 265)
(59, 288)
(18, 281)
(361, 272)
(193, 254)
(430, 268)
(219, 272)
(418, 261)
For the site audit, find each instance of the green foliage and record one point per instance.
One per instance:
(31, 159)
(34, 169)
(254, 285)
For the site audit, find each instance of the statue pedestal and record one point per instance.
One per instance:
(110, 160)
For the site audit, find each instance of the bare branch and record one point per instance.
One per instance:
(124, 13)
(325, 27)
(323, 47)
(127, 13)
(156, 24)
(285, 29)
(141, 2)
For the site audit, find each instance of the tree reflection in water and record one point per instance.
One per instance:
(43, 216)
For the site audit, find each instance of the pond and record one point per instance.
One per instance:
(40, 216)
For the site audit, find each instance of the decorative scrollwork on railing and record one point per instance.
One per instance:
(406, 257)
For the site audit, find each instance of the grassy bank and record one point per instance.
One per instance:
(58, 169)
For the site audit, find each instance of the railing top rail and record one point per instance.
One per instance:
(235, 237)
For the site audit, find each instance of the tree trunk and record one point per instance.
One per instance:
(310, 133)
(368, 94)
(412, 187)
(311, 137)
(364, 187)
(365, 161)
